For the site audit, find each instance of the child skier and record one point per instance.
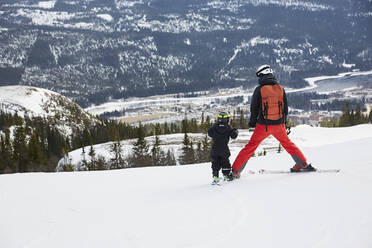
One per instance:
(221, 132)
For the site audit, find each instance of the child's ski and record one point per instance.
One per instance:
(263, 171)
(216, 183)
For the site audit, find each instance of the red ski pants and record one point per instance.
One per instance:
(260, 133)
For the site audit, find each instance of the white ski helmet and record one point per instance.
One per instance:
(263, 70)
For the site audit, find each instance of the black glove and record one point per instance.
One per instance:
(234, 133)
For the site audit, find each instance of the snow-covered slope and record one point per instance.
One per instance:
(303, 136)
(177, 207)
(38, 102)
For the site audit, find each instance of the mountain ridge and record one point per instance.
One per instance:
(92, 51)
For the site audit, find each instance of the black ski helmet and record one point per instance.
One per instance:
(223, 118)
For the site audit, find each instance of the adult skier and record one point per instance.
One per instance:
(269, 110)
(221, 132)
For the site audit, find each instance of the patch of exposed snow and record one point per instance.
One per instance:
(41, 17)
(187, 41)
(258, 40)
(236, 51)
(47, 4)
(106, 17)
(326, 59)
(347, 65)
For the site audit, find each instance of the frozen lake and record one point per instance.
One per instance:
(341, 82)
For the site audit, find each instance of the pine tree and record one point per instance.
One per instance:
(67, 166)
(202, 120)
(242, 122)
(2, 151)
(100, 163)
(199, 153)
(166, 128)
(20, 150)
(203, 150)
(116, 150)
(7, 153)
(208, 123)
(157, 154)
(169, 158)
(92, 154)
(207, 145)
(359, 118)
(158, 130)
(84, 159)
(36, 156)
(117, 160)
(141, 155)
(188, 153)
(194, 126)
(185, 125)
(345, 119)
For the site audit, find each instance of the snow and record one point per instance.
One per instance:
(30, 98)
(38, 102)
(106, 17)
(302, 135)
(235, 5)
(348, 65)
(326, 59)
(187, 41)
(236, 51)
(258, 40)
(47, 4)
(157, 100)
(293, 4)
(42, 17)
(22, 99)
(177, 206)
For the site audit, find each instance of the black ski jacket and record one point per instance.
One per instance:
(256, 103)
(221, 134)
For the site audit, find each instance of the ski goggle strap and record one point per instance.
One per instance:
(223, 116)
(261, 70)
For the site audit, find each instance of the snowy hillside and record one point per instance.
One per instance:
(37, 102)
(303, 136)
(177, 206)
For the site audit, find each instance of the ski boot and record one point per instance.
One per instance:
(228, 177)
(302, 168)
(235, 174)
(216, 181)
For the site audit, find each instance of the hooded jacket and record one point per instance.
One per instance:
(256, 103)
(221, 134)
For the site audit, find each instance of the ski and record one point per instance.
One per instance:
(263, 171)
(216, 184)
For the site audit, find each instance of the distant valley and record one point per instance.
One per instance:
(324, 98)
